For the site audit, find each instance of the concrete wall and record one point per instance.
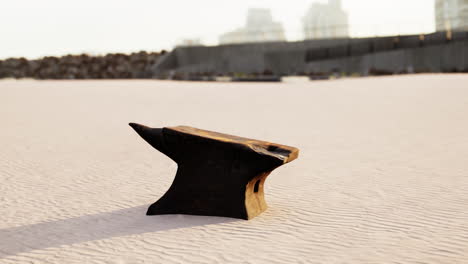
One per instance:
(432, 52)
(240, 58)
(358, 47)
(447, 57)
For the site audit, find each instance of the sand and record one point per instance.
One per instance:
(382, 175)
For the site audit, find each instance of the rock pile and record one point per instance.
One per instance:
(111, 66)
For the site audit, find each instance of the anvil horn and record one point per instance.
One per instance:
(154, 136)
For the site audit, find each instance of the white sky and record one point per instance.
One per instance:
(35, 28)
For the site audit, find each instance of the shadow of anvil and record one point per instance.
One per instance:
(218, 174)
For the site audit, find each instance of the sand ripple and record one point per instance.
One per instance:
(382, 177)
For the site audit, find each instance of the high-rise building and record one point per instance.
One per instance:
(259, 27)
(189, 43)
(325, 21)
(451, 15)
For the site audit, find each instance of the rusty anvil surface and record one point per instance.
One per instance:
(218, 174)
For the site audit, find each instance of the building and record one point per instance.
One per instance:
(451, 15)
(189, 43)
(259, 27)
(325, 21)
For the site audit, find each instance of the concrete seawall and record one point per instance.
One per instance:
(449, 57)
(436, 52)
(239, 58)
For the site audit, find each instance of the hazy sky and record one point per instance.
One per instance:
(33, 28)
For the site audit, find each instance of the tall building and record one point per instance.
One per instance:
(325, 21)
(189, 43)
(259, 27)
(451, 15)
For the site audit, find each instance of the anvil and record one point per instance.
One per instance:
(217, 174)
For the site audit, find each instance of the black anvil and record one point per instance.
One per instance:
(218, 174)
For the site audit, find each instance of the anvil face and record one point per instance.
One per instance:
(218, 174)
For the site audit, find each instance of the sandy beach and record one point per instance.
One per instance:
(382, 175)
